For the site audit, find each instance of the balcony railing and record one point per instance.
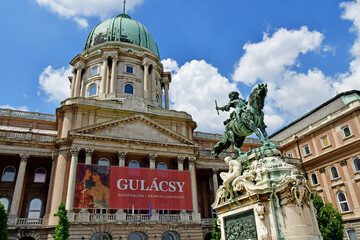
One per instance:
(121, 217)
(27, 136)
(28, 115)
(23, 222)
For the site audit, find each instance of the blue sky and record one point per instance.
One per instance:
(306, 51)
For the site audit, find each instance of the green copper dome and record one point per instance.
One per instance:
(122, 29)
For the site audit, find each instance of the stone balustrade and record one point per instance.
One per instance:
(110, 218)
(14, 135)
(28, 115)
(23, 222)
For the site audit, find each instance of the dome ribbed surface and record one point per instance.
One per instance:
(122, 29)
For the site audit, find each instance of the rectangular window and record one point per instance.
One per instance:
(325, 141)
(129, 69)
(290, 155)
(94, 70)
(306, 150)
(346, 131)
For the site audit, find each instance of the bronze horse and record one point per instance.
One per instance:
(246, 121)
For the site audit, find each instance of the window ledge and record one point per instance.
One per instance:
(356, 179)
(307, 155)
(346, 138)
(348, 212)
(334, 179)
(337, 185)
(319, 190)
(328, 146)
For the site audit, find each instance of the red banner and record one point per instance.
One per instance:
(127, 188)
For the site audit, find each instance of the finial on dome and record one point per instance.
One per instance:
(124, 7)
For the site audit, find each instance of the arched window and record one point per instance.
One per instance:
(8, 174)
(134, 164)
(314, 179)
(40, 175)
(35, 208)
(211, 184)
(157, 98)
(344, 206)
(101, 236)
(162, 166)
(170, 236)
(356, 163)
(6, 203)
(128, 89)
(137, 236)
(334, 172)
(93, 90)
(104, 162)
(351, 234)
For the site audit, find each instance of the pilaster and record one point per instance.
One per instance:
(152, 159)
(122, 157)
(88, 155)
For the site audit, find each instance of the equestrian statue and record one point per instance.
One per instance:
(246, 119)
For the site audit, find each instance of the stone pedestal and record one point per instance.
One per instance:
(265, 198)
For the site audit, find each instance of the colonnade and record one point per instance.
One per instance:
(74, 151)
(107, 86)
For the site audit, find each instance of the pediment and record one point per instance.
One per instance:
(136, 127)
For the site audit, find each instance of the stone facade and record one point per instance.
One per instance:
(327, 141)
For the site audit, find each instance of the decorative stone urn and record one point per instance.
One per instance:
(262, 197)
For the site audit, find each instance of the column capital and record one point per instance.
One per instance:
(215, 170)
(181, 159)
(122, 155)
(24, 157)
(74, 151)
(89, 152)
(146, 62)
(73, 70)
(55, 153)
(192, 160)
(79, 65)
(152, 157)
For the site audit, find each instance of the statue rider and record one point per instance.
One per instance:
(235, 102)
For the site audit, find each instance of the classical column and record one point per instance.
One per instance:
(59, 178)
(215, 180)
(122, 156)
(166, 89)
(146, 79)
(180, 160)
(192, 169)
(79, 67)
(15, 204)
(152, 159)
(88, 154)
(72, 178)
(73, 82)
(113, 76)
(104, 74)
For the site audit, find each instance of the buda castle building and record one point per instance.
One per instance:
(118, 118)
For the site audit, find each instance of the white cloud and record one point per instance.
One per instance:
(193, 89)
(55, 83)
(78, 10)
(351, 79)
(267, 59)
(291, 94)
(170, 65)
(21, 108)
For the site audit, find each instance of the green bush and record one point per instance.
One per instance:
(3, 223)
(329, 220)
(62, 228)
(216, 231)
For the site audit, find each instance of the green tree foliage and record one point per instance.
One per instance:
(216, 231)
(62, 229)
(329, 220)
(3, 223)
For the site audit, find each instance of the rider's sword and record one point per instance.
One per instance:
(216, 107)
